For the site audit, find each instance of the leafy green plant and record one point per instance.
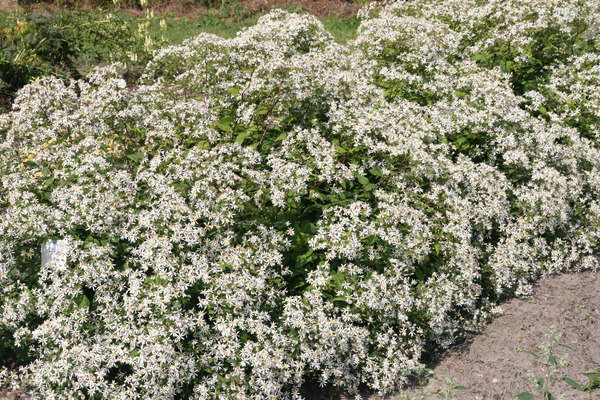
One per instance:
(547, 354)
(426, 384)
(34, 46)
(66, 43)
(593, 380)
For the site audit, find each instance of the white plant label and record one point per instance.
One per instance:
(54, 254)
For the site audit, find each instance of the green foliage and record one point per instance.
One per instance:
(593, 380)
(34, 46)
(528, 66)
(277, 207)
(65, 43)
(552, 364)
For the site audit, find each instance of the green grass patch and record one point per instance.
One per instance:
(222, 23)
(179, 29)
(342, 30)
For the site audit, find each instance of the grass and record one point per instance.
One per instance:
(225, 23)
(179, 29)
(342, 30)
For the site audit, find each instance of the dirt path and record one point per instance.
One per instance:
(491, 365)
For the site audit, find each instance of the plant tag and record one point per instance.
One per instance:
(54, 254)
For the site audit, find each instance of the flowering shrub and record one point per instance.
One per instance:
(277, 208)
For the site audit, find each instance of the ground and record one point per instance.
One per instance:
(492, 364)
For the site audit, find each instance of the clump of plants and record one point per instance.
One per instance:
(544, 385)
(66, 43)
(273, 209)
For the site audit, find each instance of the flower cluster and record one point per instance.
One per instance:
(276, 208)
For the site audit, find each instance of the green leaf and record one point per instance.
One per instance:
(225, 123)
(48, 182)
(552, 360)
(362, 180)
(460, 388)
(84, 301)
(135, 156)
(241, 137)
(525, 396)
(572, 383)
(593, 380)
(370, 187)
(340, 150)
(261, 111)
(234, 90)
(532, 353)
(540, 383)
(565, 346)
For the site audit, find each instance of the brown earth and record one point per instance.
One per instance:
(192, 9)
(7, 4)
(492, 365)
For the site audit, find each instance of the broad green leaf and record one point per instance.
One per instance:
(362, 180)
(83, 302)
(48, 182)
(340, 150)
(572, 383)
(525, 396)
(234, 90)
(241, 137)
(135, 156)
(225, 123)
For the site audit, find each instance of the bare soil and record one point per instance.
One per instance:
(492, 365)
(192, 9)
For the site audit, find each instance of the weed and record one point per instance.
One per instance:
(426, 384)
(544, 386)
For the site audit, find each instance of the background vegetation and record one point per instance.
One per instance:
(68, 38)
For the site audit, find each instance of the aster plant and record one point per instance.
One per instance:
(268, 210)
